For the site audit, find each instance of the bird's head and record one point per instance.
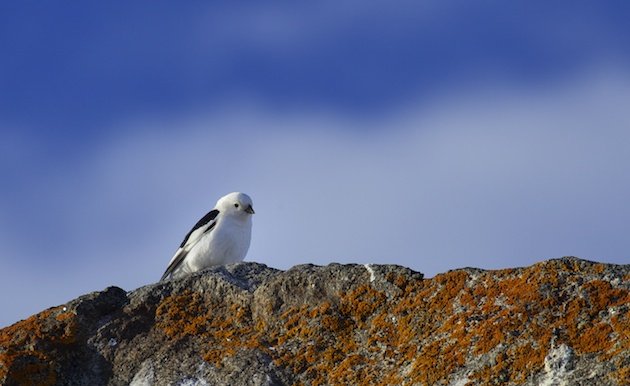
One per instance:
(239, 204)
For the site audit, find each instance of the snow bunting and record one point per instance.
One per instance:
(222, 236)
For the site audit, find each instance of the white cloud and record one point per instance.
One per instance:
(500, 179)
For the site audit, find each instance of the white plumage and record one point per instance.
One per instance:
(222, 236)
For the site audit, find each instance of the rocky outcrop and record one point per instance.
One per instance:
(559, 322)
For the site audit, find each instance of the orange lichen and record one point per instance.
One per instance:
(225, 327)
(594, 338)
(25, 347)
(28, 368)
(420, 332)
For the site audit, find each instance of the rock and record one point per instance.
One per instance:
(559, 322)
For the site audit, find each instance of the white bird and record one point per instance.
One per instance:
(222, 236)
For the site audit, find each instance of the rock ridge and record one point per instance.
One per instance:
(558, 322)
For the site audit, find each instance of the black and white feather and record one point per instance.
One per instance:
(222, 236)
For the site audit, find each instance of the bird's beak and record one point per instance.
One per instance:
(250, 210)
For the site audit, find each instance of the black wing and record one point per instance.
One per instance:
(204, 220)
(182, 252)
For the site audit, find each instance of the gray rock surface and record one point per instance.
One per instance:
(559, 322)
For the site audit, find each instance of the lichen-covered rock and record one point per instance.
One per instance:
(559, 322)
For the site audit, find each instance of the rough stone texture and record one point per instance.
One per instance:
(559, 322)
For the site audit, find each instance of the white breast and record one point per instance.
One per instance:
(227, 243)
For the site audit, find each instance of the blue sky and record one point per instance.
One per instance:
(436, 135)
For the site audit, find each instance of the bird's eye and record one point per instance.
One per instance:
(236, 205)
